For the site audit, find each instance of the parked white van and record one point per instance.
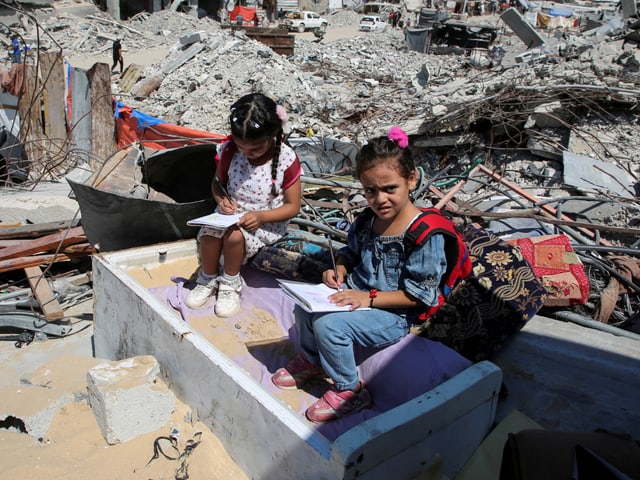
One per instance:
(370, 23)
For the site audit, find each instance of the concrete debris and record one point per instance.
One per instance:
(129, 398)
(351, 88)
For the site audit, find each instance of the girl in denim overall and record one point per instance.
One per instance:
(371, 271)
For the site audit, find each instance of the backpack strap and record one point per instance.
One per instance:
(223, 160)
(430, 222)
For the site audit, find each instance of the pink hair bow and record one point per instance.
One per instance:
(396, 134)
(282, 114)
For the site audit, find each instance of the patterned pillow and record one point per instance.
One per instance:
(299, 255)
(488, 307)
(557, 267)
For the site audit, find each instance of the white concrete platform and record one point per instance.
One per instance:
(262, 434)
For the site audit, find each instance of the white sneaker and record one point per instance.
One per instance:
(228, 300)
(199, 296)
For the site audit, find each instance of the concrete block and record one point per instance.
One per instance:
(193, 38)
(129, 398)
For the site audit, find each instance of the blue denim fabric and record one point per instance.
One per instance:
(327, 339)
(380, 263)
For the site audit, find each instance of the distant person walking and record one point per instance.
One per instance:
(117, 55)
(15, 50)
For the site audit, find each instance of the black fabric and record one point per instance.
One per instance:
(485, 309)
(184, 174)
(15, 158)
(554, 455)
(116, 222)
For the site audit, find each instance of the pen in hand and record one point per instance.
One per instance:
(221, 188)
(333, 261)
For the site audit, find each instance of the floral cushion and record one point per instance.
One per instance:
(488, 307)
(299, 255)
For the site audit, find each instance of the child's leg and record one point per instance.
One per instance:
(306, 365)
(337, 332)
(230, 283)
(210, 248)
(233, 248)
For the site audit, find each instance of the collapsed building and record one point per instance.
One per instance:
(538, 141)
(533, 115)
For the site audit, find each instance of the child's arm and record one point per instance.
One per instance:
(227, 206)
(419, 283)
(289, 209)
(335, 279)
(386, 299)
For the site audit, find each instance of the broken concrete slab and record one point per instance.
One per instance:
(589, 174)
(129, 398)
(522, 28)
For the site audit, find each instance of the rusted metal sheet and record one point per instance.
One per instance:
(278, 39)
(279, 43)
(80, 122)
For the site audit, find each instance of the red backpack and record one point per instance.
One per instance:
(432, 221)
(224, 161)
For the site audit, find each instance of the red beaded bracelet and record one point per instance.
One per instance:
(373, 293)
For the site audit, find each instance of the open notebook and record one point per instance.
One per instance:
(313, 297)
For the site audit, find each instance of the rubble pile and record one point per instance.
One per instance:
(528, 125)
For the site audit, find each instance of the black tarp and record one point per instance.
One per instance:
(14, 164)
(115, 221)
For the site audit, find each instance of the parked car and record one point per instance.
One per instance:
(369, 23)
(305, 21)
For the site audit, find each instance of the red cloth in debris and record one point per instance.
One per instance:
(557, 267)
(159, 135)
(13, 79)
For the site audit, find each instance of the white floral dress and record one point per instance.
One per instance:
(250, 188)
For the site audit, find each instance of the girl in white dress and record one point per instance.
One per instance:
(257, 175)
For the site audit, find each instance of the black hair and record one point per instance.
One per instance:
(253, 117)
(382, 149)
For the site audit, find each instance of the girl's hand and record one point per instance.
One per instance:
(355, 298)
(334, 278)
(226, 206)
(251, 221)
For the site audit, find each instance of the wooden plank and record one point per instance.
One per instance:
(106, 168)
(44, 244)
(51, 309)
(36, 260)
(103, 139)
(29, 109)
(79, 250)
(55, 119)
(130, 76)
(36, 230)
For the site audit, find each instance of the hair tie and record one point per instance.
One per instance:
(396, 134)
(282, 114)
